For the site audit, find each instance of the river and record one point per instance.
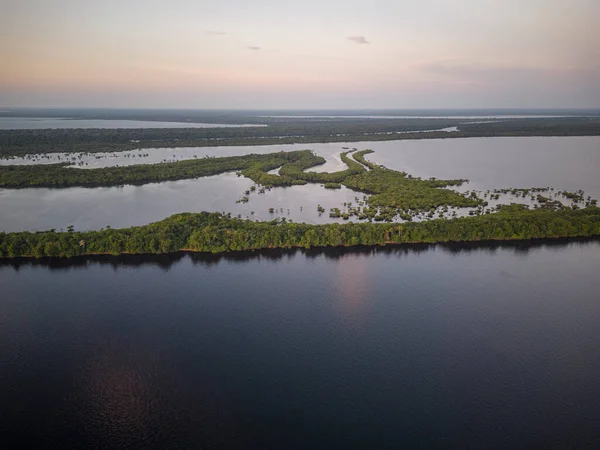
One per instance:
(472, 346)
(40, 123)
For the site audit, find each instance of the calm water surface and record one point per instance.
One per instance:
(569, 163)
(412, 347)
(90, 209)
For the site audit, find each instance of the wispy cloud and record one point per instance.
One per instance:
(253, 47)
(216, 32)
(358, 39)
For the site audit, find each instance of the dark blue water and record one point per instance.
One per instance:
(411, 347)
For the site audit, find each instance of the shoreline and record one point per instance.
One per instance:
(7, 151)
(359, 248)
(218, 234)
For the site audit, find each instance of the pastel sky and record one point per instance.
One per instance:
(300, 54)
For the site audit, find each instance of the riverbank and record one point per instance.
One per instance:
(218, 233)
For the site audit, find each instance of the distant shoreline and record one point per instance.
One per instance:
(20, 142)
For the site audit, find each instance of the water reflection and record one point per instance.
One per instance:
(352, 284)
(114, 395)
(124, 395)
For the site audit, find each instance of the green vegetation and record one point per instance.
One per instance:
(520, 192)
(400, 193)
(335, 213)
(61, 175)
(360, 157)
(292, 171)
(214, 232)
(575, 196)
(394, 193)
(296, 171)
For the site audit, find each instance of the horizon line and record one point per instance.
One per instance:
(4, 109)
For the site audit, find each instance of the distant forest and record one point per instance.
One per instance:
(283, 131)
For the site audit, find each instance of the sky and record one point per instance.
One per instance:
(306, 54)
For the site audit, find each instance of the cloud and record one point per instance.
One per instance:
(358, 39)
(253, 47)
(216, 33)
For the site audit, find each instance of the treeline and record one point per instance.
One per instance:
(214, 232)
(566, 126)
(20, 142)
(61, 175)
(290, 131)
(296, 171)
(360, 157)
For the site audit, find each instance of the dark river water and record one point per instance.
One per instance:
(402, 347)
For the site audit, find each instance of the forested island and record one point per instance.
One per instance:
(392, 192)
(64, 175)
(215, 232)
